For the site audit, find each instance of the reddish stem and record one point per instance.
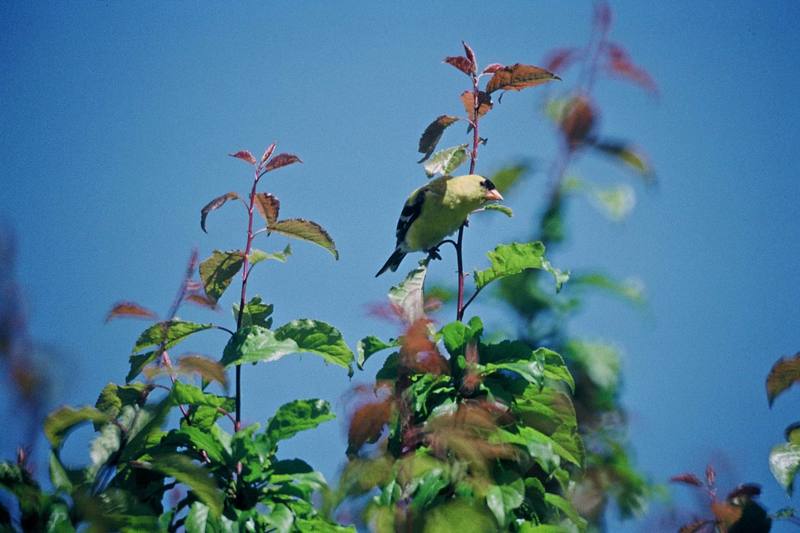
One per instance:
(472, 160)
(243, 298)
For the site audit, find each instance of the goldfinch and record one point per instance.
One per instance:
(436, 210)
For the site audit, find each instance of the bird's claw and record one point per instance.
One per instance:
(433, 253)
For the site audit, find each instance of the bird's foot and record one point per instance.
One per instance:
(433, 253)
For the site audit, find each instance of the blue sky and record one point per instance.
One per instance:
(117, 118)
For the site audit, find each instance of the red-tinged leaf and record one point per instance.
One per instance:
(484, 104)
(268, 207)
(267, 153)
(784, 374)
(578, 121)
(621, 65)
(366, 424)
(202, 300)
(518, 77)
(561, 59)
(432, 134)
(131, 310)
(745, 491)
(687, 479)
(470, 53)
(216, 203)
(461, 63)
(208, 369)
(491, 69)
(711, 476)
(281, 160)
(697, 526)
(244, 155)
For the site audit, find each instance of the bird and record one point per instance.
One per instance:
(436, 210)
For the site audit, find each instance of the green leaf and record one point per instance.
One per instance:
(541, 528)
(296, 416)
(197, 519)
(280, 519)
(299, 228)
(554, 367)
(144, 426)
(256, 256)
(457, 335)
(169, 333)
(545, 409)
(433, 133)
(446, 161)
(317, 337)
(566, 508)
(784, 460)
(505, 178)
(426, 385)
(113, 397)
(138, 362)
(784, 373)
(218, 270)
(185, 394)
(59, 519)
(59, 476)
(198, 439)
(63, 420)
(193, 476)
(627, 155)
(600, 361)
(510, 259)
(460, 516)
(256, 313)
(408, 297)
(531, 371)
(432, 482)
(507, 211)
(252, 344)
(369, 346)
(631, 290)
(388, 371)
(503, 499)
(616, 202)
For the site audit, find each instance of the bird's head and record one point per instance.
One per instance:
(472, 191)
(490, 192)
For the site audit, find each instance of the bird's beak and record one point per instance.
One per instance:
(493, 194)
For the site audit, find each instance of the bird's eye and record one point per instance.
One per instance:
(488, 185)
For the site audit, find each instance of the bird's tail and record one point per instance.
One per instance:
(393, 262)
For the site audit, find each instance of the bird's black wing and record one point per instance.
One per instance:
(410, 213)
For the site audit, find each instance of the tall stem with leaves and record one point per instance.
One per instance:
(225, 481)
(473, 158)
(476, 103)
(246, 267)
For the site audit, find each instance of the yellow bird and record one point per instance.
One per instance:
(436, 210)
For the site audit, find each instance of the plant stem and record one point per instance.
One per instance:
(243, 297)
(472, 160)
